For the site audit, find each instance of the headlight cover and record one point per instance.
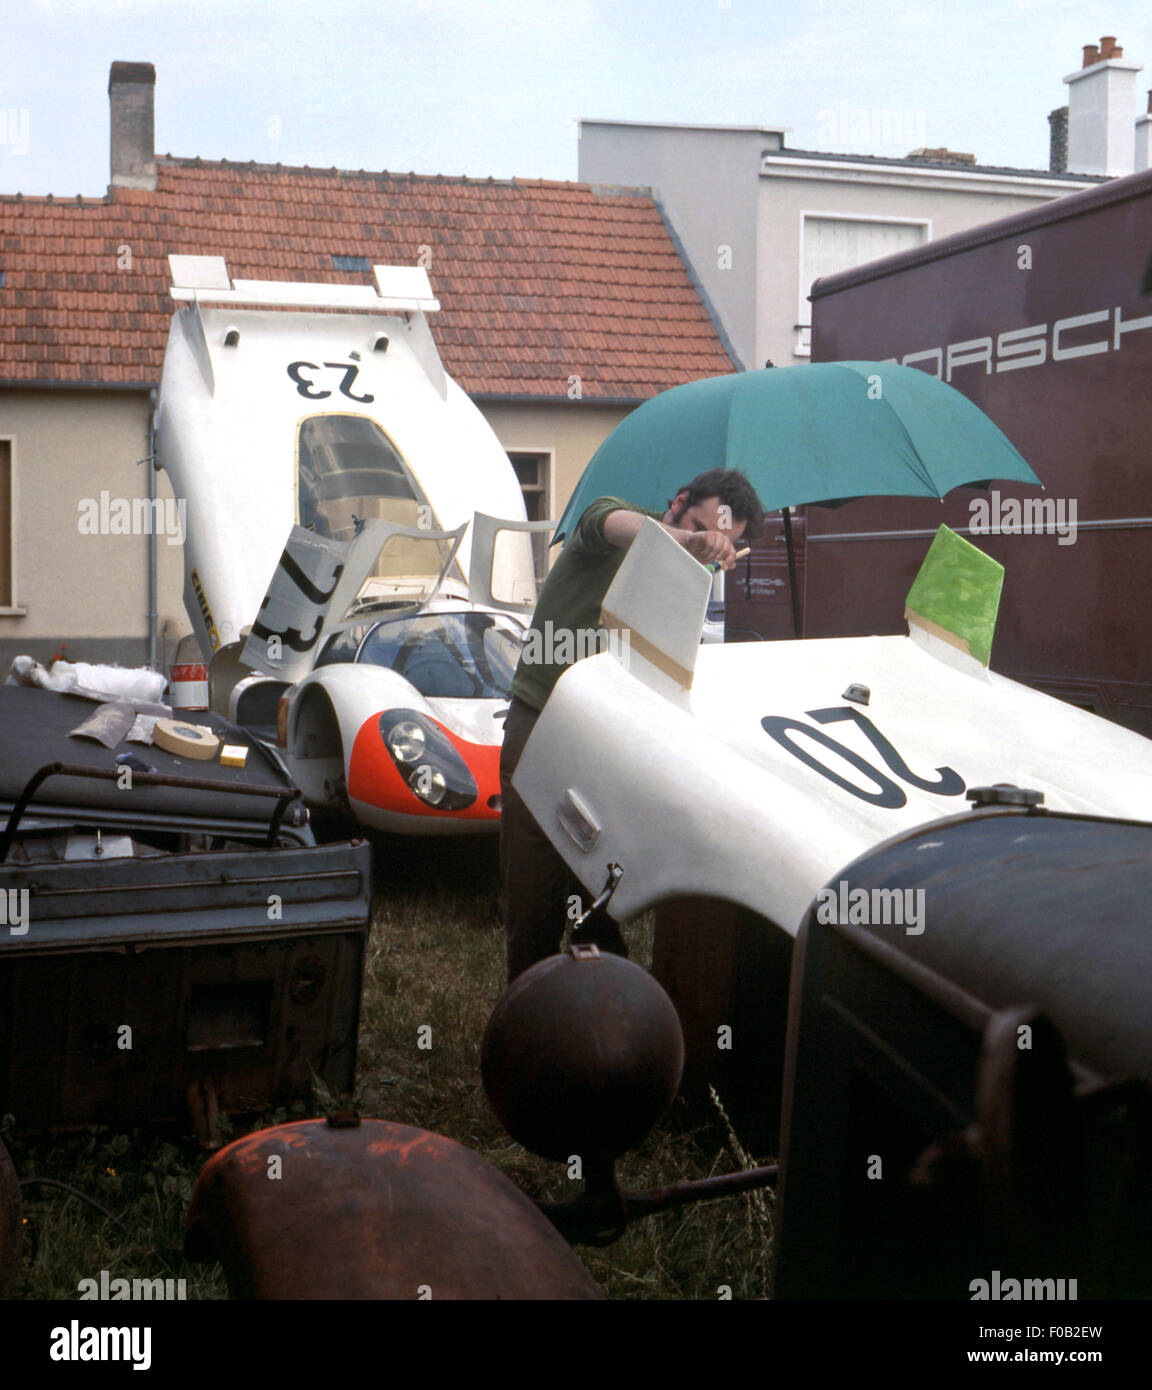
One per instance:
(429, 785)
(433, 769)
(406, 741)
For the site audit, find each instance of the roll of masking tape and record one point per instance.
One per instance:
(188, 740)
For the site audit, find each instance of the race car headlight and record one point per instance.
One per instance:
(429, 785)
(406, 741)
(426, 757)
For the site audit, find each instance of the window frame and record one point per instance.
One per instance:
(13, 608)
(803, 324)
(546, 490)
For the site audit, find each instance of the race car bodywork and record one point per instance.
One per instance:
(336, 482)
(734, 784)
(750, 773)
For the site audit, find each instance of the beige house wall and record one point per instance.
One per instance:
(568, 434)
(88, 591)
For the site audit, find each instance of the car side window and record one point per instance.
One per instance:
(341, 647)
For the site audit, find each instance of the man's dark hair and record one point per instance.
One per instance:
(732, 488)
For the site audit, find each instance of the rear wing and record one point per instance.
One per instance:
(400, 289)
(956, 595)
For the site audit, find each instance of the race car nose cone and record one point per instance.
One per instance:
(582, 1055)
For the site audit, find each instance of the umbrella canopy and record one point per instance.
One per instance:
(827, 432)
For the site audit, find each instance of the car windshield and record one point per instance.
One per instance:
(449, 655)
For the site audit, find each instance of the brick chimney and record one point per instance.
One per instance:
(131, 94)
(1101, 109)
(1058, 140)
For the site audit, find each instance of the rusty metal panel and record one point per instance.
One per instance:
(1031, 906)
(140, 988)
(374, 1210)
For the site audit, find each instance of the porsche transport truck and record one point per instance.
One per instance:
(1043, 320)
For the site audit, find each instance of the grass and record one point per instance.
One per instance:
(435, 961)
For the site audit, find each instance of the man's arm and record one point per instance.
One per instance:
(709, 547)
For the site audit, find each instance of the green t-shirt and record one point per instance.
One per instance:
(566, 624)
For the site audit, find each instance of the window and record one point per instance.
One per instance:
(7, 527)
(831, 242)
(348, 468)
(532, 473)
(351, 263)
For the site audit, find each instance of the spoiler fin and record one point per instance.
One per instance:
(656, 607)
(956, 595)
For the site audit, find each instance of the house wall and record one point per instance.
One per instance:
(569, 433)
(786, 195)
(733, 198)
(84, 596)
(704, 179)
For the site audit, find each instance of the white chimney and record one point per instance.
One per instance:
(1101, 109)
(1144, 138)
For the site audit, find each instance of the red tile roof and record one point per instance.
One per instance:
(538, 282)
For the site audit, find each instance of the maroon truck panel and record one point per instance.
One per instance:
(1039, 319)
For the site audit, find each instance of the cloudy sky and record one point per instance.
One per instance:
(494, 87)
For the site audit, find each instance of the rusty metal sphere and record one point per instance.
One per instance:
(582, 1055)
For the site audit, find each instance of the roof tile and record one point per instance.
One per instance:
(536, 278)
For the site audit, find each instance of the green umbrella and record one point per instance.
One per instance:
(827, 432)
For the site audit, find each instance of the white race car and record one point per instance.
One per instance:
(400, 718)
(384, 630)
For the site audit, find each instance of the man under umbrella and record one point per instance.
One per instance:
(706, 516)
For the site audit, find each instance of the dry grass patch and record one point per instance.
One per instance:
(435, 962)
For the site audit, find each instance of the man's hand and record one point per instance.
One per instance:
(709, 547)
